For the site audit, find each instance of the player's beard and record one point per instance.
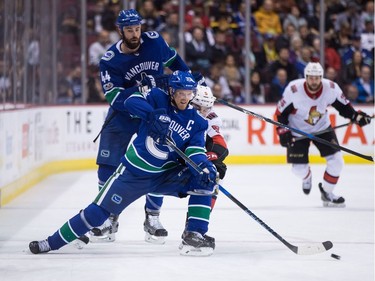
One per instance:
(313, 87)
(133, 43)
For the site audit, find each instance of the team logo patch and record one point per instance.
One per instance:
(105, 153)
(108, 86)
(116, 198)
(108, 55)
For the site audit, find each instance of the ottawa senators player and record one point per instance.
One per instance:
(304, 107)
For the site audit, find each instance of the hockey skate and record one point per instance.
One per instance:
(331, 200)
(81, 242)
(106, 232)
(195, 244)
(306, 185)
(154, 231)
(38, 247)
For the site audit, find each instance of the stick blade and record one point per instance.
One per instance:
(313, 249)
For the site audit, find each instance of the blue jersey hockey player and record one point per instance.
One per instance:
(149, 165)
(124, 69)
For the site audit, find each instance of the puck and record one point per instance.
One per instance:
(337, 257)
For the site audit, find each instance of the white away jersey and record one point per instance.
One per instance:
(309, 111)
(214, 124)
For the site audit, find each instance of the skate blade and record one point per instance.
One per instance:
(102, 239)
(333, 205)
(79, 244)
(186, 250)
(160, 240)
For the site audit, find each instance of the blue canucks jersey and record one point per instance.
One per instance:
(187, 130)
(120, 71)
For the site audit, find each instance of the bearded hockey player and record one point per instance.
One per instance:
(304, 107)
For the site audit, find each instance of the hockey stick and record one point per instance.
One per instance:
(310, 136)
(327, 130)
(310, 249)
(106, 122)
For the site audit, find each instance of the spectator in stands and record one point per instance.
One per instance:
(257, 88)
(367, 14)
(64, 91)
(151, 19)
(306, 35)
(267, 19)
(365, 86)
(350, 15)
(355, 45)
(208, 33)
(198, 52)
(239, 18)
(98, 48)
(278, 84)
(284, 39)
(351, 93)
(267, 53)
(331, 74)
(171, 27)
(294, 17)
(231, 72)
(215, 77)
(352, 70)
(295, 49)
(314, 23)
(220, 50)
(74, 79)
(302, 60)
(94, 86)
(108, 19)
(367, 35)
(332, 57)
(282, 63)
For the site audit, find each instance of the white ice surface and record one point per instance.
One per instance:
(244, 249)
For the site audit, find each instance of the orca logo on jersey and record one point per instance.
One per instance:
(108, 55)
(116, 198)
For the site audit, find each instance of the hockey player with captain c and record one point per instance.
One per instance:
(217, 151)
(304, 107)
(149, 165)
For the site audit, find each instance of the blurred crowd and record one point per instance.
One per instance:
(284, 38)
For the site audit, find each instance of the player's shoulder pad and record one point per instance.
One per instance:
(211, 115)
(150, 35)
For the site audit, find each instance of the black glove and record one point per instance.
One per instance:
(219, 164)
(285, 136)
(147, 83)
(361, 118)
(158, 125)
(206, 182)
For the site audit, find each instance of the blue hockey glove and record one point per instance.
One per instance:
(199, 78)
(158, 125)
(206, 182)
(147, 83)
(361, 118)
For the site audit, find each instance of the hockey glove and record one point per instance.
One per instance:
(206, 182)
(147, 83)
(220, 165)
(361, 118)
(158, 125)
(199, 78)
(285, 136)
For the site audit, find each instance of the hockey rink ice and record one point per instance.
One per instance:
(244, 249)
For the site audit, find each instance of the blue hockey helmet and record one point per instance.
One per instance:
(128, 18)
(182, 80)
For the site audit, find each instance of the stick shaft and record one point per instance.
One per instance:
(310, 136)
